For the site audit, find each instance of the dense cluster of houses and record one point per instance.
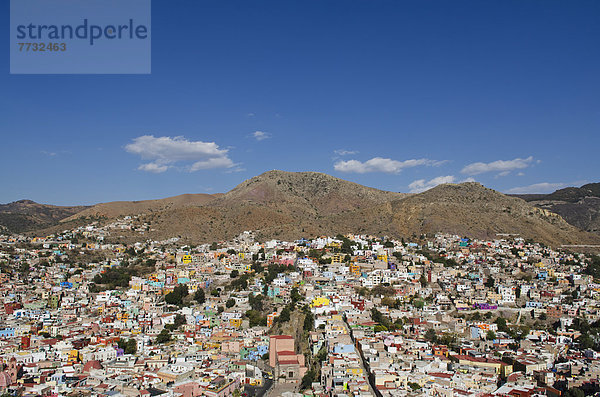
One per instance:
(370, 316)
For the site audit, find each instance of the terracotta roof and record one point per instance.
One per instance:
(286, 353)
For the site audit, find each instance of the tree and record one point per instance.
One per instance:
(379, 318)
(490, 335)
(295, 295)
(383, 290)
(129, 346)
(390, 302)
(284, 316)
(199, 296)
(489, 283)
(431, 336)
(113, 277)
(574, 392)
(239, 283)
(176, 297)
(256, 302)
(230, 303)
(501, 322)
(163, 337)
(256, 318)
(418, 303)
(363, 291)
(414, 386)
(346, 247)
(179, 321)
(423, 280)
(321, 355)
(309, 321)
(449, 339)
(308, 379)
(257, 267)
(234, 274)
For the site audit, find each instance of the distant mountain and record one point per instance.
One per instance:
(26, 215)
(473, 210)
(311, 192)
(277, 204)
(116, 209)
(289, 205)
(580, 206)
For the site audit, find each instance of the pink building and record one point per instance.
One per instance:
(289, 366)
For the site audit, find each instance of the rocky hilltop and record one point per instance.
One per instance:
(288, 205)
(580, 206)
(26, 215)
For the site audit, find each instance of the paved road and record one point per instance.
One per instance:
(362, 363)
(254, 391)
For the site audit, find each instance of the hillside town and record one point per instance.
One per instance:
(84, 314)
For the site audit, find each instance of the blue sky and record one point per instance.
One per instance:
(398, 95)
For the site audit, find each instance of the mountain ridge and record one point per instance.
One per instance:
(580, 206)
(25, 215)
(289, 205)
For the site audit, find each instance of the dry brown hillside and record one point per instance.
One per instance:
(278, 204)
(473, 210)
(287, 205)
(117, 209)
(25, 215)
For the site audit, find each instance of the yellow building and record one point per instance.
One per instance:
(74, 356)
(320, 301)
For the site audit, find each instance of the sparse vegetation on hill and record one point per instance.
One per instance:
(26, 215)
(578, 206)
(288, 205)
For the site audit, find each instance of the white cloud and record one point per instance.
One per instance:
(420, 185)
(153, 167)
(543, 187)
(342, 152)
(260, 135)
(236, 169)
(164, 152)
(379, 164)
(503, 167)
(215, 162)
